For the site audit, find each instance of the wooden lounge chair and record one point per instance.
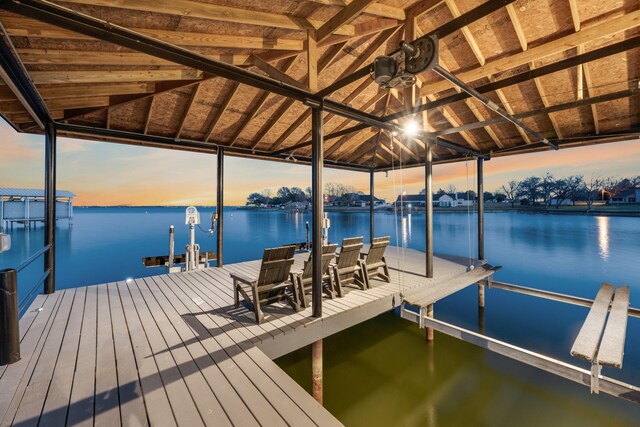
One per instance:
(372, 261)
(347, 271)
(303, 279)
(272, 283)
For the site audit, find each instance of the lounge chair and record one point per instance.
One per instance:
(303, 279)
(272, 283)
(347, 271)
(372, 261)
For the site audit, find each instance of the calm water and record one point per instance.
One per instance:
(382, 372)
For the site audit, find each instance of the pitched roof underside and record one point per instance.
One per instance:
(95, 83)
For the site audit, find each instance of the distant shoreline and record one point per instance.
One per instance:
(617, 211)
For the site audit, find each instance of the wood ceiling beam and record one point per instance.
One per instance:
(276, 74)
(147, 120)
(342, 18)
(192, 99)
(364, 147)
(326, 60)
(233, 90)
(209, 11)
(354, 141)
(610, 26)
(591, 93)
(258, 103)
(312, 61)
(112, 76)
(97, 58)
(364, 57)
(422, 7)
(375, 9)
(466, 32)
(515, 22)
(546, 103)
(58, 91)
(25, 27)
(14, 106)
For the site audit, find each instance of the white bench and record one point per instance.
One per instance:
(604, 349)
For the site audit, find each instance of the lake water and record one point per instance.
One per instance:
(382, 372)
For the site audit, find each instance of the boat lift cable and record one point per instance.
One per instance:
(404, 233)
(466, 164)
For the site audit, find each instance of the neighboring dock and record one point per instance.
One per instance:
(173, 350)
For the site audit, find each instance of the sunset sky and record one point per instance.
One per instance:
(113, 174)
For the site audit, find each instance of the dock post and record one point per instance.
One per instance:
(480, 225)
(172, 247)
(429, 331)
(220, 206)
(50, 208)
(316, 370)
(428, 187)
(371, 204)
(317, 162)
(9, 323)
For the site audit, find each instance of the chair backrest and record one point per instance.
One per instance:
(350, 252)
(276, 264)
(328, 252)
(376, 251)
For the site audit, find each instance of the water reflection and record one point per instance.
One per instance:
(603, 236)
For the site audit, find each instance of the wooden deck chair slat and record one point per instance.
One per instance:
(586, 343)
(611, 349)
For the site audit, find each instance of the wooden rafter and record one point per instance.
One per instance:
(24, 27)
(312, 61)
(210, 11)
(275, 73)
(233, 90)
(466, 32)
(507, 106)
(357, 63)
(192, 99)
(522, 37)
(422, 7)
(59, 103)
(610, 26)
(375, 9)
(110, 76)
(58, 91)
(590, 91)
(546, 103)
(258, 102)
(148, 117)
(342, 18)
(326, 60)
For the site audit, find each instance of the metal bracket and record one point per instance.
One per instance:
(596, 370)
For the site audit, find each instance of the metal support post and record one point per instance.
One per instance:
(172, 247)
(220, 206)
(316, 370)
(9, 323)
(317, 202)
(50, 208)
(428, 187)
(428, 330)
(480, 209)
(371, 205)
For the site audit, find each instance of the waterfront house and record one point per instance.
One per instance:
(411, 200)
(445, 201)
(631, 196)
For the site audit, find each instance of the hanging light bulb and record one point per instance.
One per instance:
(411, 128)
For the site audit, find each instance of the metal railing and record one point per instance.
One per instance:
(10, 310)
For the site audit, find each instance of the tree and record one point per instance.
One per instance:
(297, 195)
(333, 189)
(592, 189)
(488, 196)
(511, 191)
(530, 189)
(500, 197)
(547, 185)
(256, 199)
(566, 189)
(451, 189)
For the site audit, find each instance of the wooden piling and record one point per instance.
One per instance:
(316, 370)
(429, 331)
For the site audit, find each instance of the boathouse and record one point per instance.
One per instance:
(363, 85)
(27, 206)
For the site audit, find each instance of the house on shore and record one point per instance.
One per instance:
(631, 196)
(26, 206)
(356, 200)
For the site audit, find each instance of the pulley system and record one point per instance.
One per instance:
(399, 69)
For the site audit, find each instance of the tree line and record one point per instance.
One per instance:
(296, 194)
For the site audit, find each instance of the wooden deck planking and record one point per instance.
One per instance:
(611, 349)
(586, 344)
(172, 350)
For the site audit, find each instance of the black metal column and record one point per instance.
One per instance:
(9, 323)
(220, 206)
(50, 207)
(480, 209)
(428, 187)
(371, 203)
(317, 163)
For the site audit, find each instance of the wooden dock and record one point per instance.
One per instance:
(173, 350)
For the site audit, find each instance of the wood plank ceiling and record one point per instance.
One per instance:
(311, 44)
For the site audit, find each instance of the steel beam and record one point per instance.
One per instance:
(15, 77)
(50, 207)
(220, 206)
(317, 205)
(428, 190)
(371, 203)
(480, 209)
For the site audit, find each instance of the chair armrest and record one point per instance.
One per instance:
(242, 278)
(363, 255)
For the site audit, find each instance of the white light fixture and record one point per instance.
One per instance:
(411, 128)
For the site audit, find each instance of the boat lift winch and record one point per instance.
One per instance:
(192, 259)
